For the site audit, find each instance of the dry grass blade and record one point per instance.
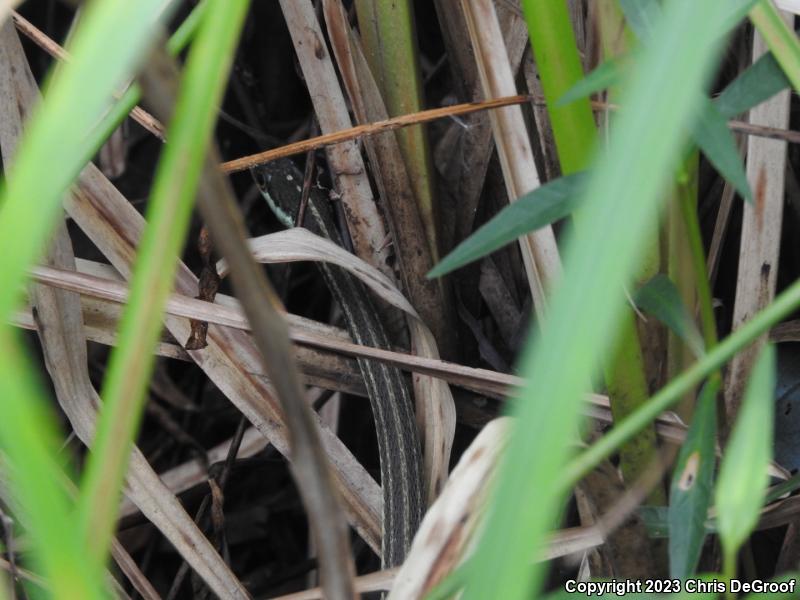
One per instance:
(374, 582)
(115, 226)
(138, 114)
(329, 139)
(60, 324)
(464, 154)
(434, 402)
(228, 315)
(539, 250)
(191, 473)
(761, 230)
(308, 461)
(347, 168)
(447, 529)
(392, 178)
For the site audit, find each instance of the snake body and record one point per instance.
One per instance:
(399, 450)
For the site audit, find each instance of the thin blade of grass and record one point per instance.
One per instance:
(743, 478)
(170, 206)
(604, 76)
(780, 38)
(541, 207)
(626, 181)
(111, 40)
(711, 134)
(756, 84)
(660, 298)
(783, 305)
(692, 482)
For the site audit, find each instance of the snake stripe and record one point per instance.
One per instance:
(390, 399)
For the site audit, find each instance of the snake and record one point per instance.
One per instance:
(280, 182)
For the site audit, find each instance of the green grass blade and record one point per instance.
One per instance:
(605, 75)
(122, 108)
(784, 487)
(30, 443)
(642, 16)
(782, 306)
(780, 38)
(106, 48)
(559, 65)
(111, 40)
(756, 84)
(692, 484)
(743, 474)
(538, 208)
(626, 181)
(389, 38)
(660, 298)
(168, 213)
(715, 140)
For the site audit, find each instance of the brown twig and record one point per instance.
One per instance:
(154, 126)
(246, 162)
(38, 37)
(271, 333)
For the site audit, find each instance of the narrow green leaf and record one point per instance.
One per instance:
(660, 298)
(605, 75)
(656, 521)
(781, 307)
(743, 474)
(756, 84)
(107, 46)
(737, 10)
(622, 201)
(784, 487)
(642, 16)
(711, 134)
(536, 209)
(168, 214)
(780, 38)
(690, 492)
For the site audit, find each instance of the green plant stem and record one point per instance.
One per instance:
(559, 65)
(390, 46)
(729, 572)
(708, 323)
(171, 201)
(680, 267)
(780, 39)
(783, 305)
(558, 62)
